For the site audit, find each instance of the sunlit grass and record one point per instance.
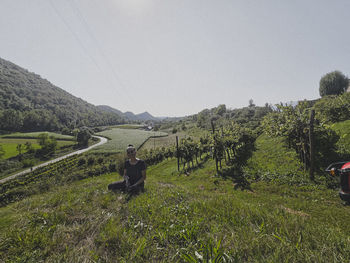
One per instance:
(177, 218)
(10, 145)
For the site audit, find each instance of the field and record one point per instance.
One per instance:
(121, 138)
(160, 142)
(34, 135)
(9, 145)
(129, 126)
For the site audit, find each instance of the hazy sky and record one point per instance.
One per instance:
(178, 57)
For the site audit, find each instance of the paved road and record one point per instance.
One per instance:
(102, 141)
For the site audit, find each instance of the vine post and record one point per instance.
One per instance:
(215, 153)
(177, 153)
(311, 139)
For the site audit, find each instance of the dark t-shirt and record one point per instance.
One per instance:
(133, 171)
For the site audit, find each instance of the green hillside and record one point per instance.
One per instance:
(31, 103)
(180, 218)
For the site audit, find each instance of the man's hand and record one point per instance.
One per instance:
(131, 188)
(126, 179)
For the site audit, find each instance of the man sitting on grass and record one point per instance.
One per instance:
(134, 174)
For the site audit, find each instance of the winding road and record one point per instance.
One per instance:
(102, 141)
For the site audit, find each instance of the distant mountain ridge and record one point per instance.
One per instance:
(145, 116)
(31, 103)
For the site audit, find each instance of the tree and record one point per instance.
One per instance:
(2, 152)
(19, 148)
(221, 109)
(29, 147)
(48, 144)
(83, 137)
(333, 83)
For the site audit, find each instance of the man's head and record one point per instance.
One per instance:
(130, 150)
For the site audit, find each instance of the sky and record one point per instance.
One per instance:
(178, 57)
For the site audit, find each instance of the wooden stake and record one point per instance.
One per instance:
(177, 154)
(311, 139)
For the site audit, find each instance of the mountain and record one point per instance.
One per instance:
(145, 116)
(31, 103)
(110, 109)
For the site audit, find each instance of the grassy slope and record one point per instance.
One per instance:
(272, 160)
(176, 218)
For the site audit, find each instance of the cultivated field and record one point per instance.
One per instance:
(34, 135)
(9, 142)
(120, 138)
(160, 142)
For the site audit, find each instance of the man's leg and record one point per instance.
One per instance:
(120, 185)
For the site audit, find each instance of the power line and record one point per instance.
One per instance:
(154, 104)
(77, 39)
(91, 35)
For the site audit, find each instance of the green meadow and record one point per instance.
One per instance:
(119, 139)
(34, 135)
(10, 146)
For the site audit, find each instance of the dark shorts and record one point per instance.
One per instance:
(121, 186)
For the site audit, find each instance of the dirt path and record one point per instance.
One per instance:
(102, 141)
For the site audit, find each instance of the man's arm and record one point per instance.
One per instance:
(126, 178)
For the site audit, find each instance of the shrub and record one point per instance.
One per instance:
(90, 161)
(28, 163)
(333, 83)
(81, 161)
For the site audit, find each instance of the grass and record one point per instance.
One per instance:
(160, 142)
(9, 145)
(121, 138)
(197, 217)
(34, 135)
(272, 160)
(179, 218)
(129, 126)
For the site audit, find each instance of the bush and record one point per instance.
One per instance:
(28, 163)
(81, 161)
(112, 167)
(91, 161)
(333, 83)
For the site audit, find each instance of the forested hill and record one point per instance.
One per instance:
(31, 103)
